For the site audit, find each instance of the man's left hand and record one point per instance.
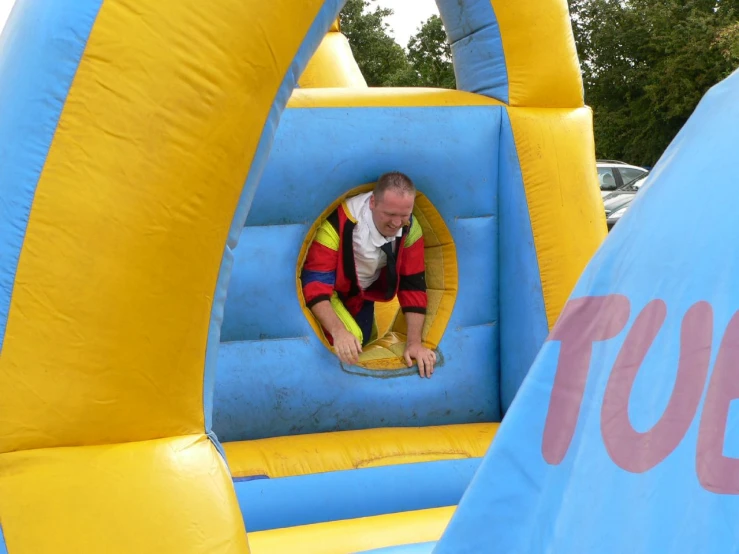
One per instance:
(424, 357)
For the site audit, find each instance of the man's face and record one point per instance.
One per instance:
(391, 211)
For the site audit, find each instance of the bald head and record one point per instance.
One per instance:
(392, 203)
(395, 181)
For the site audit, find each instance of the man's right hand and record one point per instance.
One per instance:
(347, 347)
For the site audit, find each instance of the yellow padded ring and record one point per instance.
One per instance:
(386, 353)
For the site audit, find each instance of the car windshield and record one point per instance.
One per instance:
(634, 185)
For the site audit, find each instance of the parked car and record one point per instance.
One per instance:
(617, 202)
(613, 174)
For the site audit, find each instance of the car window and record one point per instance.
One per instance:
(634, 185)
(606, 178)
(629, 174)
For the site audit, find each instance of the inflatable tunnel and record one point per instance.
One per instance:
(164, 167)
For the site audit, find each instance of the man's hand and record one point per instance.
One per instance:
(347, 347)
(424, 357)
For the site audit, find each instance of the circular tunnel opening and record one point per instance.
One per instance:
(385, 352)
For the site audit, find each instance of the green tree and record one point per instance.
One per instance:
(430, 55)
(427, 63)
(647, 63)
(379, 57)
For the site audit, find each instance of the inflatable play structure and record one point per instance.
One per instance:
(163, 388)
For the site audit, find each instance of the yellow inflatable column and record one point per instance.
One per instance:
(551, 215)
(109, 319)
(333, 65)
(555, 145)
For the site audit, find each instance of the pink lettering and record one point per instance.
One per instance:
(583, 322)
(716, 472)
(638, 452)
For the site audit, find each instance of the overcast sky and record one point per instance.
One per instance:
(409, 14)
(5, 6)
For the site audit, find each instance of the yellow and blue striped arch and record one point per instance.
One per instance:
(114, 246)
(523, 54)
(149, 292)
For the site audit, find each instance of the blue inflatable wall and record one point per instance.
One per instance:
(268, 343)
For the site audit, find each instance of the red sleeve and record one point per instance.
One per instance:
(319, 273)
(412, 279)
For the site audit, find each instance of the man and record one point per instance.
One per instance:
(369, 250)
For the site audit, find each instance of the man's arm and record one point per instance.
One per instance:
(318, 278)
(413, 301)
(414, 324)
(412, 273)
(414, 348)
(346, 345)
(319, 270)
(327, 317)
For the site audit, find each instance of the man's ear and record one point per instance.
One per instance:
(372, 201)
